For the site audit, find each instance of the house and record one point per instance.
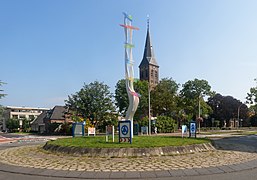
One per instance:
(38, 124)
(58, 115)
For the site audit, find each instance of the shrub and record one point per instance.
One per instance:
(253, 120)
(165, 124)
(143, 122)
(12, 124)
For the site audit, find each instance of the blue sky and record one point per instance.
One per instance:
(50, 48)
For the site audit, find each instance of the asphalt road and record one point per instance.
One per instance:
(241, 143)
(11, 135)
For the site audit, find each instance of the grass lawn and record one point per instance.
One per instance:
(138, 142)
(235, 132)
(249, 133)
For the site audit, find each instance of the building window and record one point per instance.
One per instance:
(15, 116)
(151, 73)
(22, 117)
(31, 117)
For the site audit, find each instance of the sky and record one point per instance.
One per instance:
(50, 48)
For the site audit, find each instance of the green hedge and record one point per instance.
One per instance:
(165, 124)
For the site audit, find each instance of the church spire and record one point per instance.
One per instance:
(149, 69)
(148, 19)
(148, 57)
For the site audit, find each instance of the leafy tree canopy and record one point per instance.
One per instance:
(121, 96)
(252, 97)
(1, 94)
(164, 97)
(93, 101)
(226, 107)
(195, 88)
(122, 101)
(193, 92)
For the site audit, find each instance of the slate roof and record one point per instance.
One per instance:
(148, 57)
(58, 113)
(40, 118)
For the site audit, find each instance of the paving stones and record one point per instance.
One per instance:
(147, 167)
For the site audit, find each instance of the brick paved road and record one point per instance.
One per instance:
(35, 157)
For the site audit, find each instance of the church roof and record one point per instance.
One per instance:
(148, 57)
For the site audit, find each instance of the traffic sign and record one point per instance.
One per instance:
(125, 131)
(192, 129)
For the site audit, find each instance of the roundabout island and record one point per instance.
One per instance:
(141, 146)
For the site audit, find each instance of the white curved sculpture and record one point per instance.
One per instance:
(129, 71)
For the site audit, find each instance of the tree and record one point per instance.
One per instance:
(253, 120)
(226, 108)
(192, 95)
(26, 125)
(1, 108)
(121, 97)
(93, 101)
(252, 97)
(12, 124)
(1, 94)
(164, 97)
(141, 87)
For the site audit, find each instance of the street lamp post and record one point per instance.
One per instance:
(199, 113)
(238, 114)
(149, 110)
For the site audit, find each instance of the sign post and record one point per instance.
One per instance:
(91, 130)
(144, 130)
(192, 129)
(78, 129)
(184, 130)
(109, 131)
(125, 134)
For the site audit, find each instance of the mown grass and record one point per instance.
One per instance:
(234, 132)
(137, 142)
(249, 133)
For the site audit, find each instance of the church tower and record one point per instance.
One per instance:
(148, 68)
